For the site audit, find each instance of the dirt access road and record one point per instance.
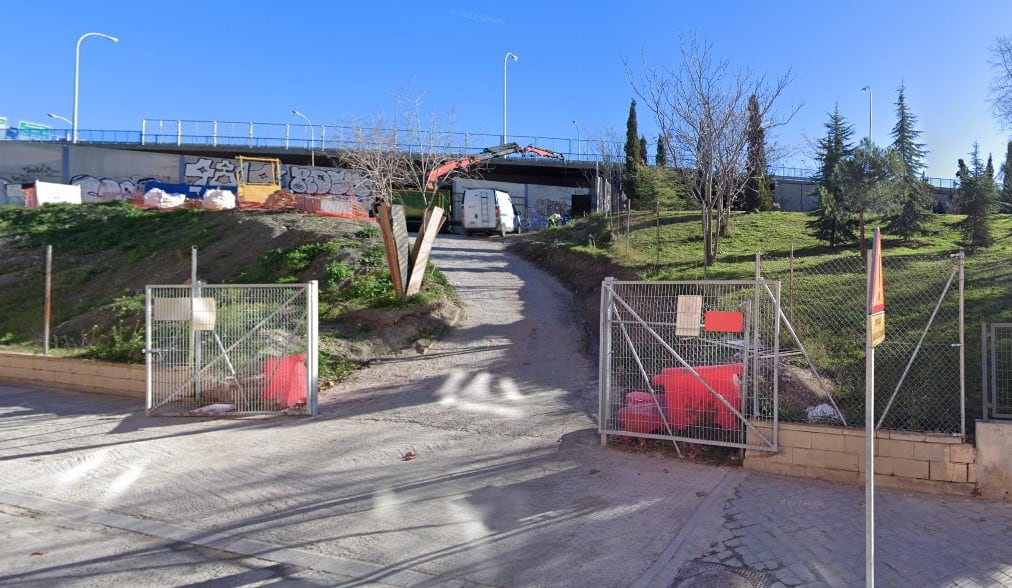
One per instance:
(474, 463)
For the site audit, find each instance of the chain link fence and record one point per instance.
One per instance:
(919, 379)
(690, 361)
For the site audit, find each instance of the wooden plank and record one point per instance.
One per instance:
(428, 237)
(400, 226)
(390, 245)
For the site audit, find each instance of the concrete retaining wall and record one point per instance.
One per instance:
(994, 459)
(907, 461)
(82, 375)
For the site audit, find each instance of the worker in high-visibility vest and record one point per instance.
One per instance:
(554, 220)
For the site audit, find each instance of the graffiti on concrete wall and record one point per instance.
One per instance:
(101, 189)
(208, 171)
(316, 181)
(537, 215)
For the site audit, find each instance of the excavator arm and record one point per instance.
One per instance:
(451, 165)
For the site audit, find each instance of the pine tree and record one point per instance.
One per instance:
(832, 221)
(913, 193)
(632, 152)
(661, 158)
(758, 194)
(976, 196)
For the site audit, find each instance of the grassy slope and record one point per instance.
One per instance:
(827, 295)
(105, 254)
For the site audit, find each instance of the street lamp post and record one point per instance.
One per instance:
(77, 74)
(504, 62)
(868, 89)
(579, 149)
(58, 117)
(312, 138)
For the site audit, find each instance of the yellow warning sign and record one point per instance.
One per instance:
(877, 328)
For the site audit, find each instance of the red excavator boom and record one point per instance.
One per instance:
(451, 165)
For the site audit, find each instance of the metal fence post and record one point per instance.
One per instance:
(962, 351)
(983, 372)
(312, 349)
(604, 362)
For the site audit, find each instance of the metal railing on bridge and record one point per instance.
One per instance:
(336, 137)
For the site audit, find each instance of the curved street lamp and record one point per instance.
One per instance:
(312, 138)
(504, 62)
(58, 117)
(579, 149)
(77, 73)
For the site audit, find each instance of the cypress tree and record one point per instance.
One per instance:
(633, 152)
(661, 159)
(643, 150)
(758, 195)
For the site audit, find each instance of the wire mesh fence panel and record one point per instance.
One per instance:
(231, 349)
(998, 370)
(690, 361)
(918, 367)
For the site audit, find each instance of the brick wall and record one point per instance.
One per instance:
(82, 375)
(908, 461)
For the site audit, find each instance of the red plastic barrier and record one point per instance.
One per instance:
(285, 380)
(641, 414)
(686, 397)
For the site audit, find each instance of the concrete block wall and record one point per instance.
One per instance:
(82, 375)
(908, 461)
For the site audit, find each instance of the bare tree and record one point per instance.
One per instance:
(701, 111)
(374, 152)
(400, 156)
(1000, 94)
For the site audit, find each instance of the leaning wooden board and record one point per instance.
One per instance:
(423, 247)
(395, 241)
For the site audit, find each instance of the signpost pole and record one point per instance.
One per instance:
(875, 334)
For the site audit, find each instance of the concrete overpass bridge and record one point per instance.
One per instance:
(303, 144)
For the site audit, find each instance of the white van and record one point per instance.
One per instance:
(488, 210)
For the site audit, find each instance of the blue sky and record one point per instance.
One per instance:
(337, 62)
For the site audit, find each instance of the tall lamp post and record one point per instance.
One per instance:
(579, 149)
(77, 74)
(868, 89)
(504, 62)
(312, 138)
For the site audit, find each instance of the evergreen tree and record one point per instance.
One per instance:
(914, 195)
(863, 181)
(832, 221)
(661, 159)
(976, 196)
(643, 150)
(1006, 181)
(758, 192)
(632, 152)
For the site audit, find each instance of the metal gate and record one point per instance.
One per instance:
(996, 370)
(217, 350)
(694, 361)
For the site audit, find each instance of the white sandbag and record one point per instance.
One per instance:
(219, 200)
(158, 198)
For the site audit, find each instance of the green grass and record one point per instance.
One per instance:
(823, 290)
(105, 253)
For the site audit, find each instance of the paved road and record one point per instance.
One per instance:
(507, 485)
